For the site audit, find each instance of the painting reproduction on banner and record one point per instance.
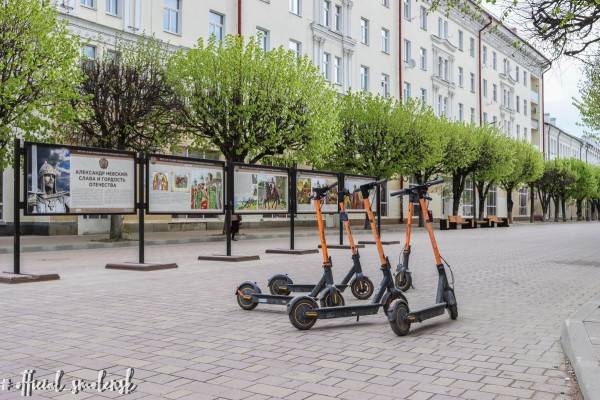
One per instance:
(178, 186)
(63, 180)
(355, 202)
(260, 191)
(305, 183)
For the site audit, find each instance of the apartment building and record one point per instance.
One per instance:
(562, 144)
(466, 66)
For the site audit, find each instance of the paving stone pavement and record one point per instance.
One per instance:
(183, 333)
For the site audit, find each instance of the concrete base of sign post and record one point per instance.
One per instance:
(225, 258)
(297, 252)
(384, 242)
(9, 277)
(342, 246)
(140, 267)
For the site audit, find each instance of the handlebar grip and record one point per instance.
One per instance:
(435, 182)
(400, 192)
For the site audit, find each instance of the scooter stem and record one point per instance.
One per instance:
(367, 206)
(425, 213)
(321, 227)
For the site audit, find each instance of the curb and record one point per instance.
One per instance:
(579, 350)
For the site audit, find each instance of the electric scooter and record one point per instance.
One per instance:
(399, 315)
(248, 294)
(361, 286)
(403, 277)
(304, 311)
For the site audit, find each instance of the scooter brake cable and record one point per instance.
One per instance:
(450, 269)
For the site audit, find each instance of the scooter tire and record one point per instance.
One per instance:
(452, 305)
(332, 298)
(297, 317)
(275, 286)
(362, 288)
(403, 280)
(400, 325)
(246, 290)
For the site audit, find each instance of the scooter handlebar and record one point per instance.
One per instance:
(320, 192)
(416, 188)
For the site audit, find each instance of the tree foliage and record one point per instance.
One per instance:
(38, 72)
(589, 102)
(251, 104)
(584, 186)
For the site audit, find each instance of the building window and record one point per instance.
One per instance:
(406, 91)
(407, 50)
(518, 104)
(494, 61)
(423, 18)
(263, 36)
(525, 78)
(385, 40)
(112, 7)
(407, 9)
(88, 52)
(525, 107)
(467, 198)
(461, 112)
(338, 18)
(523, 201)
(472, 115)
(171, 16)
(472, 47)
(506, 66)
(517, 73)
(385, 3)
(485, 91)
(325, 67)
(326, 12)
(364, 30)
(495, 92)
(442, 28)
(295, 7)
(492, 201)
(461, 40)
(423, 95)
(461, 78)
(385, 85)
(216, 25)
(472, 76)
(295, 47)
(364, 78)
(423, 58)
(337, 70)
(484, 55)
(112, 55)
(518, 132)
(88, 3)
(485, 118)
(525, 137)
(494, 120)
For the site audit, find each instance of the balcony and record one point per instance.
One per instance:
(534, 97)
(535, 124)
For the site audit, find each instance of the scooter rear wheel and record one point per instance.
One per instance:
(452, 305)
(245, 304)
(332, 298)
(403, 280)
(362, 288)
(400, 325)
(297, 314)
(275, 286)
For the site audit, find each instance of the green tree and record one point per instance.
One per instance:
(555, 184)
(589, 102)
(460, 157)
(595, 200)
(251, 104)
(38, 72)
(526, 169)
(495, 155)
(126, 104)
(584, 187)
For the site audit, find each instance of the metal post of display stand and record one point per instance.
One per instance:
(228, 207)
(378, 201)
(141, 210)
(341, 226)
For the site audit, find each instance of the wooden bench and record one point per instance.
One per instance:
(499, 222)
(454, 221)
(482, 223)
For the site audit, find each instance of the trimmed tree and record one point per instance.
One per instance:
(526, 168)
(126, 104)
(584, 187)
(495, 156)
(38, 72)
(251, 104)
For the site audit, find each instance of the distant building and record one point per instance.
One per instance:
(561, 144)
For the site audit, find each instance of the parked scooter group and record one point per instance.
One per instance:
(325, 300)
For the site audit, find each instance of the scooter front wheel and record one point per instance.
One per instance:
(400, 323)
(278, 286)
(332, 298)
(403, 280)
(297, 314)
(244, 297)
(452, 305)
(362, 288)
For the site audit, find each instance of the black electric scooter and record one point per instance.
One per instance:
(403, 277)
(361, 286)
(399, 315)
(304, 311)
(248, 294)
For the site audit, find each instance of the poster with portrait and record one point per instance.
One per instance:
(306, 182)
(76, 180)
(260, 190)
(177, 185)
(355, 202)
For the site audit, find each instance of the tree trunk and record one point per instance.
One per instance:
(556, 208)
(482, 192)
(531, 204)
(116, 227)
(509, 205)
(458, 185)
(579, 203)
(563, 207)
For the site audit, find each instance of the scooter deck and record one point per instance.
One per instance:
(427, 313)
(271, 298)
(349, 311)
(307, 288)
